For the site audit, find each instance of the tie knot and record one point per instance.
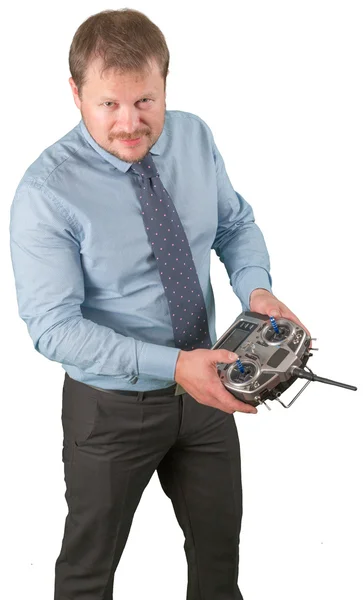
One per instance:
(145, 167)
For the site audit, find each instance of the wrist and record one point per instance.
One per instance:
(259, 292)
(179, 360)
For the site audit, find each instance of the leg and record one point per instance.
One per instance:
(201, 474)
(112, 446)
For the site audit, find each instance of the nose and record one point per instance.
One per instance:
(128, 120)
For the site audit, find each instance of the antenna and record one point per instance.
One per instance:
(312, 377)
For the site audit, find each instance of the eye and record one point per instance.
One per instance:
(108, 103)
(148, 100)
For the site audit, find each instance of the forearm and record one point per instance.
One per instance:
(239, 242)
(46, 257)
(97, 349)
(242, 249)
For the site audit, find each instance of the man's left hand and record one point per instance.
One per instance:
(265, 303)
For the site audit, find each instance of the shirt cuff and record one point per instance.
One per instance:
(157, 361)
(253, 278)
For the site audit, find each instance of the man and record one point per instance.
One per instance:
(111, 232)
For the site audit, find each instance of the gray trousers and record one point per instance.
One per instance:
(112, 446)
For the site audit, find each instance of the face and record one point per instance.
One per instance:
(121, 107)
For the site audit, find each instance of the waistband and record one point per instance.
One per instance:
(169, 391)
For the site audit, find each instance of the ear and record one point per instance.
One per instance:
(74, 89)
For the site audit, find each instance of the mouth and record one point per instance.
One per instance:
(131, 142)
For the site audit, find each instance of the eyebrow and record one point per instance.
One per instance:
(145, 95)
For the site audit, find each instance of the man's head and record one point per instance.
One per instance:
(119, 62)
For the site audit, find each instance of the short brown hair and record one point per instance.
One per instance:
(125, 39)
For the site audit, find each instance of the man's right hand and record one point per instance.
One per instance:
(196, 372)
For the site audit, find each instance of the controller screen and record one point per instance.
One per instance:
(238, 335)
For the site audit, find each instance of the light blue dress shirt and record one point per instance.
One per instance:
(87, 283)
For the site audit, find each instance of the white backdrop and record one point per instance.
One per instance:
(280, 85)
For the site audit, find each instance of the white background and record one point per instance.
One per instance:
(280, 85)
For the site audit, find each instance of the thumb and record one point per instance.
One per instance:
(275, 312)
(223, 356)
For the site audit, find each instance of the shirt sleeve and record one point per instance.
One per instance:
(49, 283)
(239, 242)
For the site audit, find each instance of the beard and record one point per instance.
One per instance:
(147, 136)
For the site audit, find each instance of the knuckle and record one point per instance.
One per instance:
(209, 389)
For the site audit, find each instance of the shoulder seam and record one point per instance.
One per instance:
(60, 164)
(188, 115)
(58, 204)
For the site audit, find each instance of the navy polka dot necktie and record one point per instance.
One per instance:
(174, 259)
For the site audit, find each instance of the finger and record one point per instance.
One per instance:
(275, 312)
(224, 398)
(288, 314)
(240, 407)
(222, 356)
(246, 408)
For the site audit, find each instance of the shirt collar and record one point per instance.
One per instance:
(123, 166)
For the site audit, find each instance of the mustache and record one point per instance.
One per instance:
(127, 137)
